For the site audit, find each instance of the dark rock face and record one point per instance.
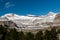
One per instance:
(56, 21)
(9, 24)
(57, 18)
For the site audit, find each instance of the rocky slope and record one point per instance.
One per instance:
(56, 21)
(31, 21)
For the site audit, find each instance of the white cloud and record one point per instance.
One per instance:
(8, 4)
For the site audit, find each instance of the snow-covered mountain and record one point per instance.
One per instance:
(12, 16)
(31, 21)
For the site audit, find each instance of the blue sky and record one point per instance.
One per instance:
(24, 7)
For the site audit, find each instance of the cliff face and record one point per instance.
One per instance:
(56, 21)
(6, 22)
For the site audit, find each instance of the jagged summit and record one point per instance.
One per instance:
(10, 15)
(51, 13)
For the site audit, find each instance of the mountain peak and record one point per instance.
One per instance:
(52, 13)
(10, 15)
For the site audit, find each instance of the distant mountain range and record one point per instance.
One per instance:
(33, 21)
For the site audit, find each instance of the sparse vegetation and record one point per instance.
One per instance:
(13, 34)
